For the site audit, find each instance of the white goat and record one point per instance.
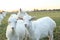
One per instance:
(10, 33)
(21, 31)
(16, 31)
(40, 28)
(2, 15)
(21, 13)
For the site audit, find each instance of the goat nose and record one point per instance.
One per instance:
(25, 25)
(12, 27)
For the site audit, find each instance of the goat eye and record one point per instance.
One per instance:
(30, 20)
(16, 21)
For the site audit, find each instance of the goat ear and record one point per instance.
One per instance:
(1, 12)
(33, 18)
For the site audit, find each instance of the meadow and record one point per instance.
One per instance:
(55, 15)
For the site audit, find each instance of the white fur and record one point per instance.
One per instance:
(21, 14)
(10, 33)
(19, 32)
(42, 27)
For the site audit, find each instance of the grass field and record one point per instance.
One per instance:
(55, 15)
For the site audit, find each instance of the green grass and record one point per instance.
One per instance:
(55, 15)
(3, 27)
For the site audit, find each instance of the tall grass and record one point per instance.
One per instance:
(3, 27)
(55, 15)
